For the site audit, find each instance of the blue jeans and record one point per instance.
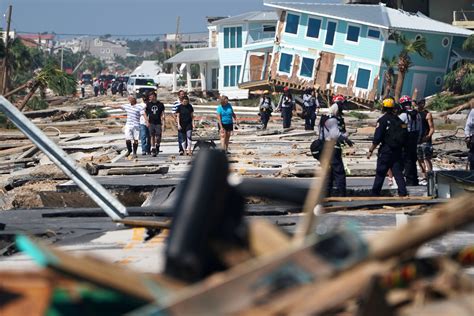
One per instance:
(180, 141)
(145, 138)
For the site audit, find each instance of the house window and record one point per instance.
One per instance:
(233, 37)
(373, 33)
(314, 27)
(285, 63)
(330, 33)
(445, 42)
(307, 67)
(363, 78)
(438, 81)
(292, 22)
(418, 37)
(353, 33)
(231, 75)
(342, 72)
(269, 28)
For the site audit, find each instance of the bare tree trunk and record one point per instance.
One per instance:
(16, 90)
(465, 106)
(399, 86)
(28, 97)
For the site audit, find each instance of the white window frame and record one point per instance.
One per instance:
(312, 70)
(373, 29)
(326, 32)
(237, 81)
(291, 65)
(357, 74)
(320, 29)
(223, 36)
(299, 25)
(347, 34)
(343, 63)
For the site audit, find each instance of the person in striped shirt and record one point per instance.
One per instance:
(176, 104)
(132, 126)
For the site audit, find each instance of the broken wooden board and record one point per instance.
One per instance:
(137, 171)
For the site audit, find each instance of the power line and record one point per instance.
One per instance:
(112, 35)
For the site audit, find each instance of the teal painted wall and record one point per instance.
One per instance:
(367, 48)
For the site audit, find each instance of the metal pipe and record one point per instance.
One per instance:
(91, 187)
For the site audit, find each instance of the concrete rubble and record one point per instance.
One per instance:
(38, 200)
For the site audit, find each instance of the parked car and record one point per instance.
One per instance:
(87, 79)
(138, 86)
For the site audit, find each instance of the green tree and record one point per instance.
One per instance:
(409, 47)
(389, 74)
(468, 44)
(51, 77)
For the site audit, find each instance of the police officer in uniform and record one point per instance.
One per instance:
(310, 105)
(412, 119)
(265, 108)
(390, 152)
(334, 129)
(286, 106)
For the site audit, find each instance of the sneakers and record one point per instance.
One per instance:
(423, 182)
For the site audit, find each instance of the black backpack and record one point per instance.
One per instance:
(318, 145)
(396, 134)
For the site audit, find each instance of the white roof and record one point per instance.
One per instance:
(254, 16)
(195, 55)
(148, 68)
(375, 15)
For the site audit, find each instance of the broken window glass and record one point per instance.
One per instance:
(307, 67)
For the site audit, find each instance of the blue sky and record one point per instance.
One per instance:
(120, 16)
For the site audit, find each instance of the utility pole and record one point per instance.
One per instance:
(178, 19)
(7, 47)
(62, 58)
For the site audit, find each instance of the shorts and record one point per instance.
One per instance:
(228, 127)
(131, 132)
(155, 130)
(425, 151)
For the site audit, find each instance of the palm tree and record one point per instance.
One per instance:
(55, 79)
(389, 74)
(409, 47)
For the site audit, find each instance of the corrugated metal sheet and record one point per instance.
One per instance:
(375, 15)
(195, 55)
(261, 16)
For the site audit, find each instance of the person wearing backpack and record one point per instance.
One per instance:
(412, 119)
(265, 108)
(390, 133)
(332, 128)
(286, 107)
(310, 105)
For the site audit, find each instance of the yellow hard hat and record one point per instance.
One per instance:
(388, 103)
(266, 92)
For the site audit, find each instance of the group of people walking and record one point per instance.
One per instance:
(286, 106)
(146, 123)
(102, 87)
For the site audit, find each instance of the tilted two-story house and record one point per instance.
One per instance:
(341, 47)
(222, 63)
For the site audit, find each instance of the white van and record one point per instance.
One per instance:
(138, 86)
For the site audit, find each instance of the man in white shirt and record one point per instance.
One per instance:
(132, 126)
(144, 131)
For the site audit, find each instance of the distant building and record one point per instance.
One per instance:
(43, 41)
(104, 49)
(195, 40)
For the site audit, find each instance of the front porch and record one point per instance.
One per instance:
(199, 67)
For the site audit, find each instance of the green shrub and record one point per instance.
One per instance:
(36, 103)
